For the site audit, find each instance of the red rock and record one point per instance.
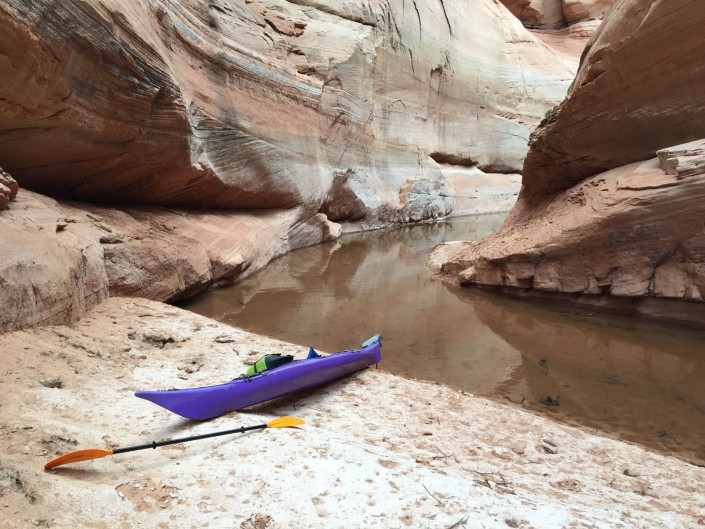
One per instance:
(589, 223)
(617, 111)
(246, 114)
(255, 106)
(632, 232)
(53, 277)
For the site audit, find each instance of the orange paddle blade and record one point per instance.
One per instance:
(76, 456)
(285, 422)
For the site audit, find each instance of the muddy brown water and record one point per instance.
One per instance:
(637, 380)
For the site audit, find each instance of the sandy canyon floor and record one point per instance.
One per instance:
(377, 450)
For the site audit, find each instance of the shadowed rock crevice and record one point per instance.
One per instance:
(453, 159)
(552, 14)
(342, 203)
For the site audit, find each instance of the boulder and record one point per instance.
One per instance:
(46, 276)
(4, 196)
(8, 189)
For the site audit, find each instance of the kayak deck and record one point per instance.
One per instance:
(212, 401)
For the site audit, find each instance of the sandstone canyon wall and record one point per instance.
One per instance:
(342, 107)
(611, 209)
(269, 120)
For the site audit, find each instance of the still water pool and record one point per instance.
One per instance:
(633, 379)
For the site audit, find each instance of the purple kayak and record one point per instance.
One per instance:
(212, 401)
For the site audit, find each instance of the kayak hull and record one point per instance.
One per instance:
(212, 401)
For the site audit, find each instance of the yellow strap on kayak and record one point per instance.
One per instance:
(259, 366)
(268, 362)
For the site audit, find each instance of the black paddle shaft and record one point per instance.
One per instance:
(155, 444)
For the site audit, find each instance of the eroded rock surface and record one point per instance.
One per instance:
(60, 258)
(579, 10)
(264, 104)
(538, 13)
(8, 188)
(569, 42)
(589, 226)
(632, 232)
(617, 110)
(310, 113)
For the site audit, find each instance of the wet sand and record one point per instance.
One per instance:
(377, 450)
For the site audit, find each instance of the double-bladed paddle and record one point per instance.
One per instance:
(97, 453)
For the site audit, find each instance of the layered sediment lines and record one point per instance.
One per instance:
(290, 117)
(610, 213)
(60, 258)
(266, 105)
(638, 90)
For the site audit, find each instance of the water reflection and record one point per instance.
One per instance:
(334, 296)
(623, 376)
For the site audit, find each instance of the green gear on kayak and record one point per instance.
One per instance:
(268, 362)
